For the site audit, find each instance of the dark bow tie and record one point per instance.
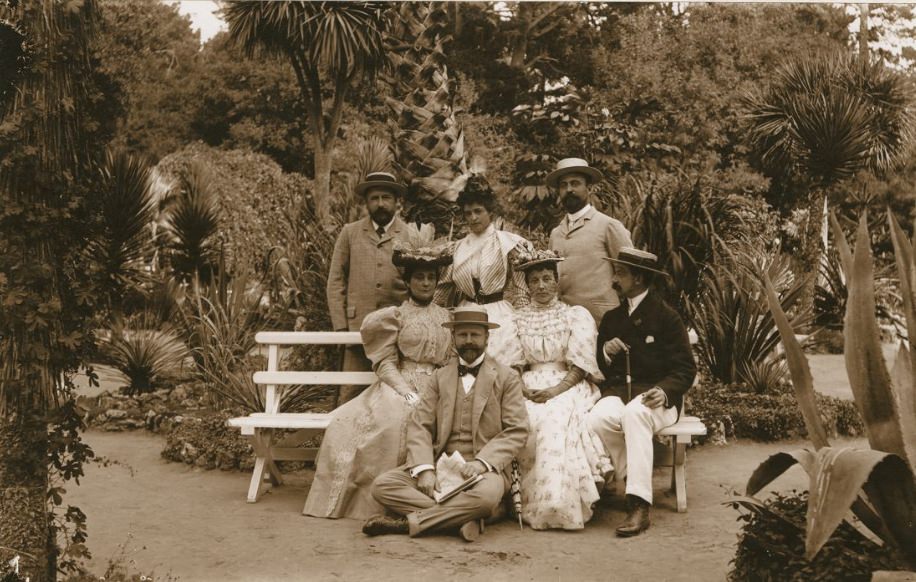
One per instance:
(465, 370)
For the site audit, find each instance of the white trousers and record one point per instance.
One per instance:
(626, 431)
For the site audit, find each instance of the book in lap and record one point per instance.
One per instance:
(442, 497)
(449, 481)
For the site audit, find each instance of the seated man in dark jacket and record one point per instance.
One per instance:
(644, 353)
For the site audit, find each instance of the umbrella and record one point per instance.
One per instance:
(629, 378)
(516, 490)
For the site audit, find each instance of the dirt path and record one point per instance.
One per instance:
(195, 525)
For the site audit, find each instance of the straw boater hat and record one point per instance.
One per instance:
(525, 260)
(572, 166)
(637, 259)
(470, 314)
(381, 180)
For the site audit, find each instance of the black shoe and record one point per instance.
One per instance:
(637, 520)
(382, 524)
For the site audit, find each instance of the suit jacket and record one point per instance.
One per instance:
(362, 278)
(499, 422)
(660, 353)
(585, 277)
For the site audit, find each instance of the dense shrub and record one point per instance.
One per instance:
(771, 547)
(253, 194)
(208, 443)
(735, 411)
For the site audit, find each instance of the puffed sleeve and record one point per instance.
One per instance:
(380, 339)
(583, 340)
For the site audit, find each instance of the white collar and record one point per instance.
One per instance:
(473, 364)
(491, 228)
(577, 215)
(635, 301)
(375, 225)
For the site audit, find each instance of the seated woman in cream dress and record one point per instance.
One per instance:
(367, 435)
(562, 460)
(482, 271)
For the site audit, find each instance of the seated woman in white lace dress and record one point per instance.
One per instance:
(367, 435)
(482, 270)
(562, 460)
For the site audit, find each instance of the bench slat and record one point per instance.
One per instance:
(313, 420)
(315, 378)
(294, 338)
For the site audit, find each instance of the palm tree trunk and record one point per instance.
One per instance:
(812, 247)
(322, 192)
(24, 524)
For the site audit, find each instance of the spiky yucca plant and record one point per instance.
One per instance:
(192, 227)
(427, 136)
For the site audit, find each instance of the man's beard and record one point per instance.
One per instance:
(469, 353)
(381, 217)
(573, 203)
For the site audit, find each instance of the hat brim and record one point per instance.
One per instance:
(486, 324)
(399, 189)
(535, 263)
(636, 266)
(555, 175)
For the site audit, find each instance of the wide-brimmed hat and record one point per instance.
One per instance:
(404, 255)
(572, 166)
(470, 315)
(525, 260)
(381, 180)
(638, 259)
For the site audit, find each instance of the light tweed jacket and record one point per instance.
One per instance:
(585, 277)
(362, 278)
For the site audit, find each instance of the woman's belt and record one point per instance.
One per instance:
(483, 299)
(418, 367)
(552, 366)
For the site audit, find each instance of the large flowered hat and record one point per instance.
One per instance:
(526, 259)
(420, 249)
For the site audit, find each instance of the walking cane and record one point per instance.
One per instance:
(629, 379)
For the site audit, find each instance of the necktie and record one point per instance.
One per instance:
(625, 304)
(465, 370)
(380, 231)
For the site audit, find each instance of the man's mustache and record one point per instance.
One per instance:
(616, 287)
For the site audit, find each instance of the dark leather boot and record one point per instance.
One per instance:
(382, 524)
(637, 520)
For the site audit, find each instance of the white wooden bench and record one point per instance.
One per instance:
(679, 436)
(262, 427)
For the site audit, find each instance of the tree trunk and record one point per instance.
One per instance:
(812, 247)
(322, 193)
(24, 525)
(864, 10)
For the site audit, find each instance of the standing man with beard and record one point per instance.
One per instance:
(362, 277)
(585, 237)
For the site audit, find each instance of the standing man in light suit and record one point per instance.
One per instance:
(362, 277)
(474, 407)
(584, 237)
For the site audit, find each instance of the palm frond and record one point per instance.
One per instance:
(193, 224)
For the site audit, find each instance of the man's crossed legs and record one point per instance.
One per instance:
(398, 492)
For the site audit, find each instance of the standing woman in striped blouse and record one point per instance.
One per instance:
(482, 271)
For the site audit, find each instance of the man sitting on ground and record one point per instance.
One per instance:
(475, 407)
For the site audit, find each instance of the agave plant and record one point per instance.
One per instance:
(877, 484)
(143, 357)
(428, 139)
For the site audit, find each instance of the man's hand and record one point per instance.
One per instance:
(426, 482)
(614, 346)
(468, 470)
(654, 397)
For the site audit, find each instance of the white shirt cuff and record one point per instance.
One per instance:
(485, 464)
(607, 357)
(415, 471)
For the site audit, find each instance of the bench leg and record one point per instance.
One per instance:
(679, 472)
(264, 465)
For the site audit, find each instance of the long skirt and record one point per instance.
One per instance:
(562, 460)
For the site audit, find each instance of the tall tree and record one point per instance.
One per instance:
(330, 45)
(48, 143)
(824, 118)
